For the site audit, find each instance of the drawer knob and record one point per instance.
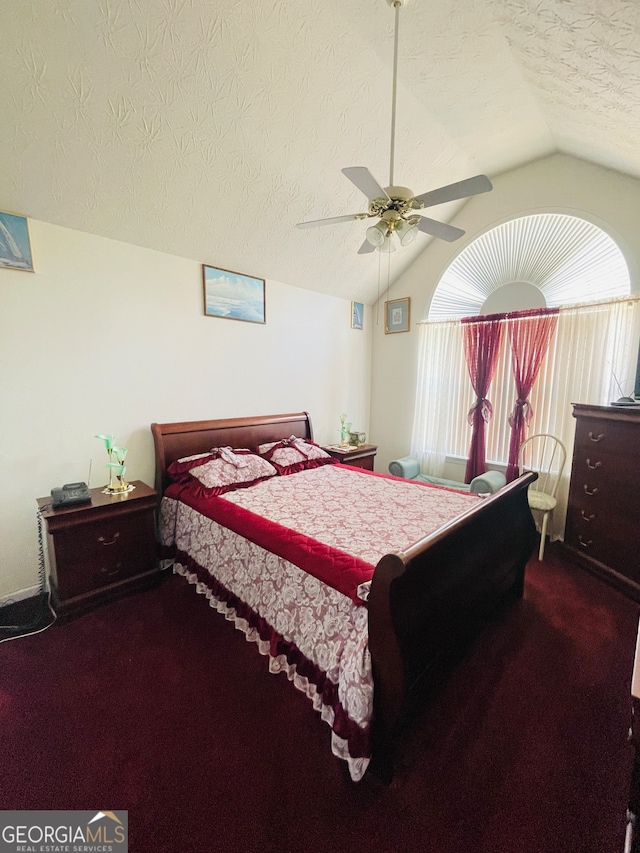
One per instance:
(596, 437)
(113, 541)
(587, 492)
(593, 467)
(585, 543)
(585, 516)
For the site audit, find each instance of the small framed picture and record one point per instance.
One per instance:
(396, 315)
(15, 246)
(357, 315)
(233, 296)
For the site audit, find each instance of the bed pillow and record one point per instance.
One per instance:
(294, 454)
(179, 469)
(222, 469)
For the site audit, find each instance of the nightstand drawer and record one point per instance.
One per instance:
(98, 554)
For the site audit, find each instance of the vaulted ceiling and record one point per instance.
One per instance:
(208, 128)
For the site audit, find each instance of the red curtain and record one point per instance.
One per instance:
(481, 347)
(529, 337)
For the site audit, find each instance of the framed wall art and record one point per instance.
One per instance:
(233, 295)
(397, 315)
(15, 245)
(357, 315)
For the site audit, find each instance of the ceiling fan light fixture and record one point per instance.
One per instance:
(407, 231)
(377, 234)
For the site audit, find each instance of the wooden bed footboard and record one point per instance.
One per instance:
(428, 603)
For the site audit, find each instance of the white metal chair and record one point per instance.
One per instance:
(546, 455)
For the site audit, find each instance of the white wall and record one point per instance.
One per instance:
(555, 184)
(106, 337)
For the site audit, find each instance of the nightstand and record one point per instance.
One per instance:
(359, 457)
(101, 549)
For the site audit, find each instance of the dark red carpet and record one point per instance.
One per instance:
(157, 705)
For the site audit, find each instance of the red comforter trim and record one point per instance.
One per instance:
(344, 572)
(357, 738)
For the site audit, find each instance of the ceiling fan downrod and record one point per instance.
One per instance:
(396, 5)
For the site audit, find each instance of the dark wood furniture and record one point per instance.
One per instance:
(425, 604)
(101, 549)
(603, 521)
(632, 840)
(359, 457)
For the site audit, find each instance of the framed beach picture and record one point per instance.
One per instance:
(233, 296)
(15, 246)
(357, 315)
(396, 315)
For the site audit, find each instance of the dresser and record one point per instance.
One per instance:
(101, 549)
(603, 516)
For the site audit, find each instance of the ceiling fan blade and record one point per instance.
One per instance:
(333, 220)
(366, 248)
(364, 180)
(439, 229)
(461, 189)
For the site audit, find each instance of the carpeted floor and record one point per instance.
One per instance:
(157, 705)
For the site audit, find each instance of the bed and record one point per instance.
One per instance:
(361, 587)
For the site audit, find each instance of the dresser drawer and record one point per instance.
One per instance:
(597, 491)
(605, 436)
(606, 537)
(613, 463)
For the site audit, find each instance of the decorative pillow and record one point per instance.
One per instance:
(294, 454)
(222, 469)
(181, 467)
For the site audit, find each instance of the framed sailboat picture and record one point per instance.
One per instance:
(15, 245)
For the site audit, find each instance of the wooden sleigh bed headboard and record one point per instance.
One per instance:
(425, 603)
(176, 440)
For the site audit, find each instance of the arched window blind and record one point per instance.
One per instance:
(569, 259)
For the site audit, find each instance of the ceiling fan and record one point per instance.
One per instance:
(395, 206)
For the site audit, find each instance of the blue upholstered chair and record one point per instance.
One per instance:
(408, 468)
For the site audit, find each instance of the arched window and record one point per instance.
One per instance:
(541, 260)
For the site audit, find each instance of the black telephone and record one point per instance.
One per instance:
(72, 493)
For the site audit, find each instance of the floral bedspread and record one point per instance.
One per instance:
(311, 629)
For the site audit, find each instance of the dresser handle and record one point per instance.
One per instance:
(587, 492)
(587, 517)
(115, 571)
(596, 437)
(583, 543)
(593, 467)
(103, 541)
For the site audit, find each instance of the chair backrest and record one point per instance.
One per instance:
(546, 455)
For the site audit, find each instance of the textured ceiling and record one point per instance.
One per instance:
(208, 128)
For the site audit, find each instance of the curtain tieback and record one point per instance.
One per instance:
(486, 410)
(523, 405)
